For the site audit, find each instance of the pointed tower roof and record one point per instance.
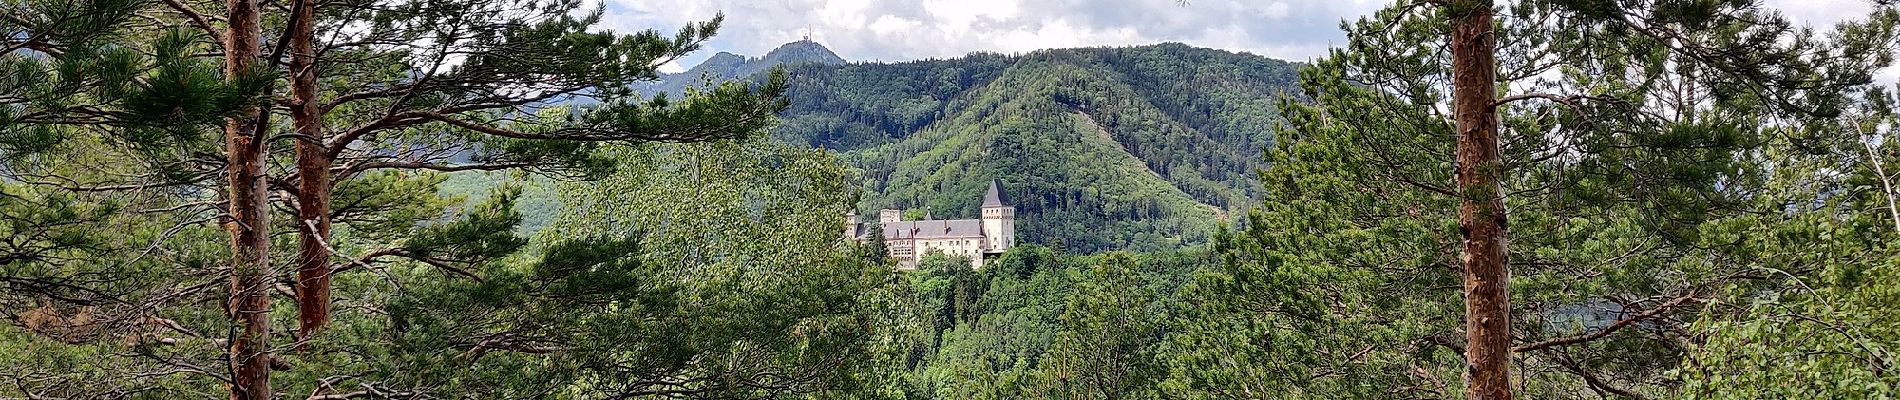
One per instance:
(994, 197)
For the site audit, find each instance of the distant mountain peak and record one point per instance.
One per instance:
(723, 66)
(731, 65)
(802, 51)
(721, 62)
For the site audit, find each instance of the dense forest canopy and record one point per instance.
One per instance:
(1131, 148)
(1135, 148)
(1088, 140)
(345, 199)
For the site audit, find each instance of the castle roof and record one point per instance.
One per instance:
(994, 197)
(934, 229)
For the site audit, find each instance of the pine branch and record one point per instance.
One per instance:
(1612, 328)
(198, 20)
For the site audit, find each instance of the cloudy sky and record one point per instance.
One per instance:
(894, 30)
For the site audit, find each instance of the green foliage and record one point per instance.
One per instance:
(1702, 214)
(90, 282)
(654, 300)
(1633, 213)
(1079, 147)
(1036, 323)
(1827, 330)
(104, 125)
(486, 232)
(73, 64)
(1832, 334)
(1141, 148)
(538, 204)
(385, 205)
(1105, 346)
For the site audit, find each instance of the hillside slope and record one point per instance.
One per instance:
(1102, 148)
(1135, 148)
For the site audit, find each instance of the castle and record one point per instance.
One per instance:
(977, 239)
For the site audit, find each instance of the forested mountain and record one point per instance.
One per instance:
(1519, 199)
(1103, 148)
(1138, 148)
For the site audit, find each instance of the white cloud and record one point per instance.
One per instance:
(964, 12)
(914, 29)
(1060, 34)
(1823, 14)
(1277, 10)
(673, 67)
(844, 12)
(888, 24)
(892, 30)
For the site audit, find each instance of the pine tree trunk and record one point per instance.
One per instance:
(313, 172)
(250, 219)
(1481, 216)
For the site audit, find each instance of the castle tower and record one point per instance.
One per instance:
(851, 225)
(999, 221)
(887, 215)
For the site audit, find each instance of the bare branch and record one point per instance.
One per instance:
(1607, 330)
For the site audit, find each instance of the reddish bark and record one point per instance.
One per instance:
(1481, 218)
(313, 178)
(249, 303)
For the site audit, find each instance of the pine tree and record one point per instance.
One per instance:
(86, 79)
(481, 97)
(247, 194)
(1830, 311)
(651, 284)
(1629, 137)
(486, 95)
(1481, 216)
(1102, 348)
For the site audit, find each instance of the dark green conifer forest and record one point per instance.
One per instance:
(506, 199)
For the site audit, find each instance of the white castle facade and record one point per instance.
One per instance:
(977, 239)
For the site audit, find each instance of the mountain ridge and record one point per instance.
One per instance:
(1104, 148)
(723, 66)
